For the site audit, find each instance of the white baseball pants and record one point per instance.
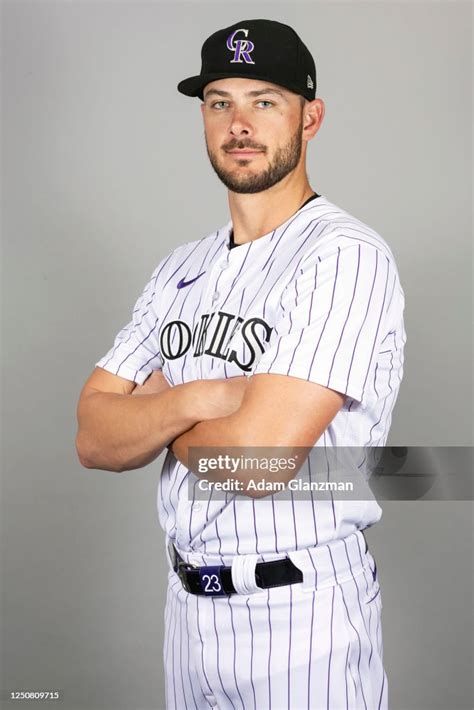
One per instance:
(315, 644)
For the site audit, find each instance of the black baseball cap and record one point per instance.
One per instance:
(255, 49)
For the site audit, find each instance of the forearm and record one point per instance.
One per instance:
(242, 429)
(211, 433)
(216, 433)
(122, 432)
(229, 442)
(280, 417)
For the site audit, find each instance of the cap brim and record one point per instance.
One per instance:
(194, 85)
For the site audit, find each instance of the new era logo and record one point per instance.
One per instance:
(309, 82)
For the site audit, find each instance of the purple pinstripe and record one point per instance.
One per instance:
(330, 309)
(186, 600)
(360, 651)
(251, 655)
(347, 317)
(327, 479)
(377, 331)
(181, 658)
(310, 651)
(345, 678)
(330, 651)
(234, 638)
(217, 656)
(363, 322)
(269, 652)
(202, 646)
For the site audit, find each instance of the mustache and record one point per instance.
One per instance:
(242, 145)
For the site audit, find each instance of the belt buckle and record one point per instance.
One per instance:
(179, 565)
(175, 557)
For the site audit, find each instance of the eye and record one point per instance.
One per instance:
(268, 103)
(218, 104)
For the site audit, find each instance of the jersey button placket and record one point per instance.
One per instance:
(217, 274)
(222, 265)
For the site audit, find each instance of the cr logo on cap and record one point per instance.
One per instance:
(241, 48)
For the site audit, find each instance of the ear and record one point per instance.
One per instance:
(313, 115)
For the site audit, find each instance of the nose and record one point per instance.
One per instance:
(240, 125)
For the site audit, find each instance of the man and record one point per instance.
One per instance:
(284, 328)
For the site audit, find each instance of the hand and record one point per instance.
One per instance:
(154, 384)
(211, 399)
(222, 397)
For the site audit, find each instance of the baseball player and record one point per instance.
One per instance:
(282, 328)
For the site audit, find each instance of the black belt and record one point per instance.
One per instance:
(216, 580)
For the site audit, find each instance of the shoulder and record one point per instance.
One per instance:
(190, 254)
(334, 230)
(203, 244)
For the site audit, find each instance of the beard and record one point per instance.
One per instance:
(285, 160)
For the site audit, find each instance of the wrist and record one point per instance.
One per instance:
(193, 400)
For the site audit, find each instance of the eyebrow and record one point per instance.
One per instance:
(257, 92)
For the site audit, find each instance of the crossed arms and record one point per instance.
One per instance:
(120, 431)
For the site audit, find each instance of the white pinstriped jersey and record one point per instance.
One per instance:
(318, 298)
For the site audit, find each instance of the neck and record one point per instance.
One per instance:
(254, 215)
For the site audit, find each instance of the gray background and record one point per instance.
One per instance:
(104, 172)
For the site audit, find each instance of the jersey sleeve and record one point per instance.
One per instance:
(333, 318)
(135, 352)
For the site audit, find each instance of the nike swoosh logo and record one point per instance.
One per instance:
(183, 283)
